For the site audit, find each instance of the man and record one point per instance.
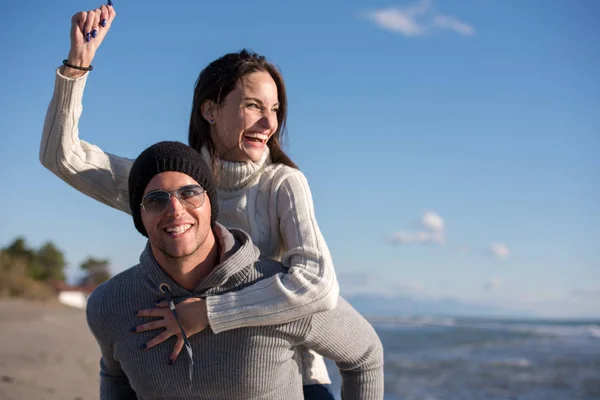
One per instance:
(173, 203)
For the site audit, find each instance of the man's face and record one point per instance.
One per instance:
(178, 232)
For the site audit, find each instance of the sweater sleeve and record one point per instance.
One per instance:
(308, 286)
(85, 167)
(344, 336)
(114, 384)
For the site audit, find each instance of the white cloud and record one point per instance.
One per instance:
(417, 20)
(453, 24)
(416, 237)
(430, 229)
(498, 250)
(432, 222)
(398, 20)
(494, 283)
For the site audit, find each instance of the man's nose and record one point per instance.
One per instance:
(175, 207)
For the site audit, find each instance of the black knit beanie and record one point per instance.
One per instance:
(164, 157)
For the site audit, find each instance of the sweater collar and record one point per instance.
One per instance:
(237, 254)
(235, 175)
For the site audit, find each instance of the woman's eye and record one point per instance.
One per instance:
(254, 105)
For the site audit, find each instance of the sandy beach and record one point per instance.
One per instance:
(46, 352)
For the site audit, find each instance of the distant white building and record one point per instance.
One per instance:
(73, 298)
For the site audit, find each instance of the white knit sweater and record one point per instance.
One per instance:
(271, 202)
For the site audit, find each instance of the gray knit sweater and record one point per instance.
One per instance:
(247, 363)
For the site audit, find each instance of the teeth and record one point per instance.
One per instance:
(258, 136)
(179, 229)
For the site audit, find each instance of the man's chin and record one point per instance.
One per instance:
(177, 250)
(176, 253)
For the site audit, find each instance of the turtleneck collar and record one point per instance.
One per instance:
(237, 254)
(234, 175)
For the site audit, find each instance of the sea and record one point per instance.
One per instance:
(430, 358)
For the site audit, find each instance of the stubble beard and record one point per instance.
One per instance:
(185, 261)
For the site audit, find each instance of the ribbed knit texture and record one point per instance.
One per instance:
(245, 363)
(253, 196)
(271, 202)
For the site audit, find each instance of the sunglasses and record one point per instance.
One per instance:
(157, 201)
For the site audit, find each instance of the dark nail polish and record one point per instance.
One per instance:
(143, 346)
(134, 329)
(170, 362)
(88, 37)
(103, 23)
(110, 3)
(94, 33)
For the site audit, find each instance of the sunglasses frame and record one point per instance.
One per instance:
(177, 194)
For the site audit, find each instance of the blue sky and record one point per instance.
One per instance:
(452, 147)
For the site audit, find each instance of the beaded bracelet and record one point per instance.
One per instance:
(66, 64)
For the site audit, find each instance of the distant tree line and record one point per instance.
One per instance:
(29, 272)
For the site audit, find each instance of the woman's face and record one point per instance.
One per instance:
(246, 119)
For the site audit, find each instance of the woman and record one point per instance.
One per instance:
(238, 117)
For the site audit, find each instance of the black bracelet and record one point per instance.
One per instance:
(66, 64)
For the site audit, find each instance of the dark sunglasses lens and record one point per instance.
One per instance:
(191, 196)
(155, 203)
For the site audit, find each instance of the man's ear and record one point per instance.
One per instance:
(209, 111)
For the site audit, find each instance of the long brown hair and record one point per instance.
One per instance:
(216, 81)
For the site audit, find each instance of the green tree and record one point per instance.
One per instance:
(18, 249)
(52, 263)
(46, 264)
(25, 272)
(19, 252)
(97, 271)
